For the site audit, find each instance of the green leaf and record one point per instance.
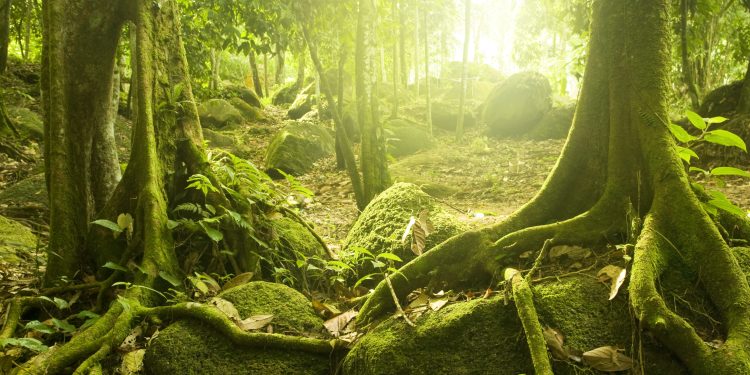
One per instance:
(38, 326)
(86, 314)
(111, 225)
(60, 303)
(726, 205)
(170, 278)
(115, 266)
(696, 169)
(681, 134)
(717, 120)
(63, 325)
(212, 233)
(686, 154)
(729, 171)
(389, 256)
(363, 279)
(171, 224)
(696, 120)
(25, 342)
(725, 138)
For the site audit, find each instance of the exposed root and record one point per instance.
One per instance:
(524, 301)
(15, 309)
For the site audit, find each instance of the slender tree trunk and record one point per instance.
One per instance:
(340, 153)
(279, 77)
(402, 44)
(396, 63)
(215, 82)
(300, 69)
(744, 103)
(373, 156)
(428, 79)
(257, 84)
(464, 71)
(416, 49)
(27, 29)
(265, 72)
(687, 69)
(4, 33)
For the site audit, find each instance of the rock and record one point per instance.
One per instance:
(192, 347)
(217, 139)
(445, 116)
(517, 104)
(485, 333)
(380, 226)
(303, 103)
(28, 123)
(722, 101)
(286, 94)
(218, 113)
(16, 241)
(297, 146)
(249, 113)
(555, 124)
(405, 137)
(243, 93)
(453, 71)
(26, 199)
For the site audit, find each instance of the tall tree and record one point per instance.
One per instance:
(428, 79)
(464, 71)
(618, 177)
(4, 32)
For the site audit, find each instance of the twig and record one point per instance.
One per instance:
(538, 261)
(395, 300)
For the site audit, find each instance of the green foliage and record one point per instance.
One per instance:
(717, 201)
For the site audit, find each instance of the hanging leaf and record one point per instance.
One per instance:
(717, 120)
(115, 266)
(607, 358)
(168, 277)
(111, 225)
(422, 228)
(686, 154)
(412, 220)
(681, 134)
(617, 283)
(696, 120)
(213, 234)
(125, 222)
(255, 322)
(389, 256)
(729, 171)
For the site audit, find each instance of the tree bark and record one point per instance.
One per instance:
(279, 77)
(464, 71)
(687, 68)
(428, 83)
(4, 33)
(396, 63)
(257, 84)
(744, 103)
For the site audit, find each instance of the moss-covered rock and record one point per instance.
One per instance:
(190, 347)
(293, 238)
(218, 139)
(297, 146)
(405, 137)
(482, 334)
(555, 123)
(286, 94)
(517, 104)
(722, 101)
(16, 241)
(243, 93)
(218, 113)
(249, 112)
(445, 116)
(303, 103)
(28, 123)
(380, 226)
(26, 199)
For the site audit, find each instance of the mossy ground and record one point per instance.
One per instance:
(16, 241)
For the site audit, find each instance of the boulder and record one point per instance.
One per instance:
(517, 104)
(249, 113)
(722, 101)
(217, 139)
(286, 94)
(26, 199)
(555, 124)
(219, 113)
(380, 226)
(16, 241)
(445, 116)
(28, 123)
(485, 333)
(302, 104)
(404, 137)
(192, 347)
(243, 93)
(296, 147)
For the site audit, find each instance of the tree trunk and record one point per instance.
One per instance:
(744, 103)
(396, 63)
(279, 77)
(687, 68)
(256, 74)
(215, 66)
(428, 79)
(416, 49)
(618, 181)
(464, 71)
(402, 45)
(373, 157)
(301, 69)
(265, 72)
(340, 153)
(4, 33)
(79, 63)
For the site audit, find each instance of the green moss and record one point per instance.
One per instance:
(30, 190)
(249, 112)
(15, 240)
(297, 146)
(472, 337)
(380, 226)
(295, 238)
(191, 347)
(405, 137)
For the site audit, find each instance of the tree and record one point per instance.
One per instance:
(464, 71)
(4, 32)
(618, 179)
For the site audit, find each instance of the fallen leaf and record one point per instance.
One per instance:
(132, 362)
(437, 304)
(607, 273)
(607, 358)
(572, 252)
(255, 322)
(554, 340)
(226, 307)
(342, 324)
(617, 283)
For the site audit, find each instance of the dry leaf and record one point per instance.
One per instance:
(438, 303)
(255, 322)
(422, 300)
(132, 362)
(554, 340)
(226, 307)
(608, 273)
(617, 283)
(412, 220)
(238, 280)
(607, 358)
(510, 273)
(129, 343)
(572, 252)
(420, 230)
(342, 324)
